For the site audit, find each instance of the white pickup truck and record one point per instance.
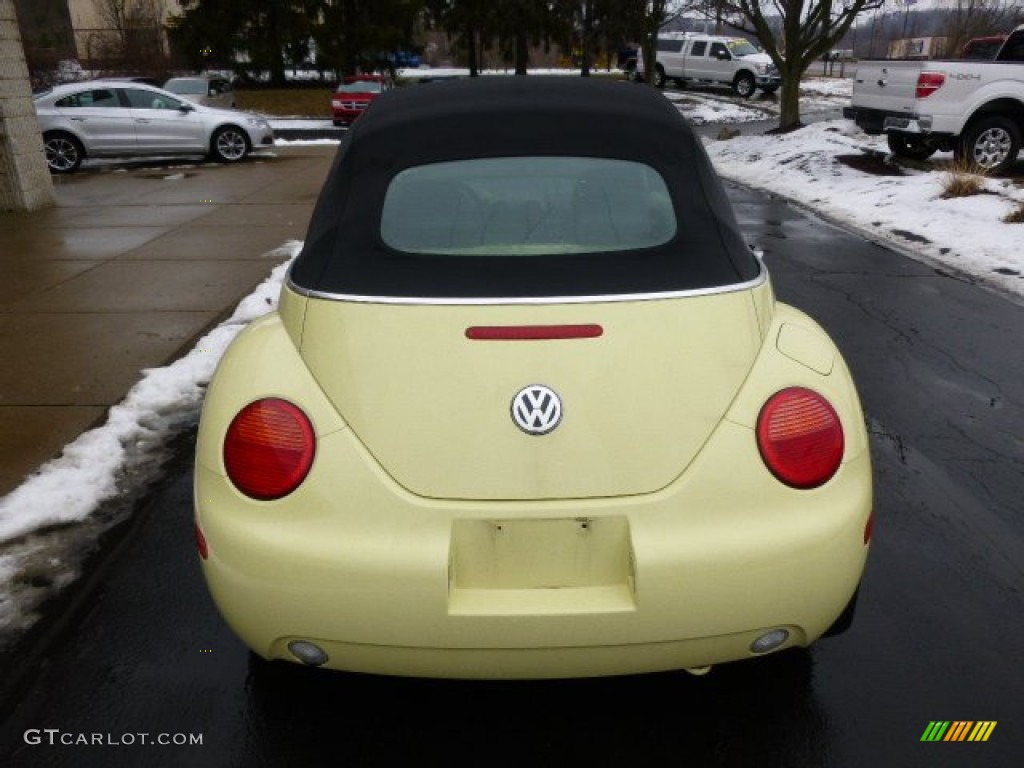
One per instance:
(973, 108)
(694, 58)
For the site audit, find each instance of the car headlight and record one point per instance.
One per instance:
(258, 122)
(761, 69)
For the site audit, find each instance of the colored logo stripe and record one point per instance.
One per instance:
(958, 730)
(982, 730)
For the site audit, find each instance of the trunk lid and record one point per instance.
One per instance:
(434, 407)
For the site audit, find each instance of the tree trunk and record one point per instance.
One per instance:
(789, 103)
(586, 42)
(471, 51)
(275, 48)
(522, 53)
(650, 56)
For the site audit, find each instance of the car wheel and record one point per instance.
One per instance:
(910, 147)
(744, 85)
(659, 76)
(64, 152)
(229, 144)
(991, 144)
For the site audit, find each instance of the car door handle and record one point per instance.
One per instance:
(141, 120)
(78, 119)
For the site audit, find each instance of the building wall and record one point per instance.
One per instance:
(92, 30)
(25, 183)
(917, 48)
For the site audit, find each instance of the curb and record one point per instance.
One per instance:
(306, 134)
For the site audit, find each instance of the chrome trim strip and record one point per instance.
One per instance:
(761, 278)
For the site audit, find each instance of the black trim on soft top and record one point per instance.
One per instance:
(501, 116)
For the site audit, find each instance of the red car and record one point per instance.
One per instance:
(354, 94)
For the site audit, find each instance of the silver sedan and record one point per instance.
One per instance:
(122, 119)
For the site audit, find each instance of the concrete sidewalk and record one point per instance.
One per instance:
(132, 266)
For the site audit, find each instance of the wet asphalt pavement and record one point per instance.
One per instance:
(938, 633)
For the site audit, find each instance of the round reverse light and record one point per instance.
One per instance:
(269, 448)
(800, 437)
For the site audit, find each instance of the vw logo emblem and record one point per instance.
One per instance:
(536, 409)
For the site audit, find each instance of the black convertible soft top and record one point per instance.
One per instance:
(534, 116)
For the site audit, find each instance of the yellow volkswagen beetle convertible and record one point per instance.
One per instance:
(529, 409)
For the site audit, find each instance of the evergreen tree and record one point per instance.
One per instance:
(521, 25)
(268, 36)
(470, 23)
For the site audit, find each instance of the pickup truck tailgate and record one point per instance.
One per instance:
(886, 85)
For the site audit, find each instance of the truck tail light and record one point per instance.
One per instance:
(800, 437)
(928, 83)
(269, 448)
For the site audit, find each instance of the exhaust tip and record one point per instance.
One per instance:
(310, 654)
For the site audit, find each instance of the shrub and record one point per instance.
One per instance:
(1015, 216)
(963, 179)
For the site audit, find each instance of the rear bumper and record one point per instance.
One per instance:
(876, 121)
(390, 583)
(348, 113)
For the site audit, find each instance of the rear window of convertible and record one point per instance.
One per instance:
(526, 206)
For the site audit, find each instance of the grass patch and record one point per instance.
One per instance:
(286, 102)
(1015, 216)
(963, 179)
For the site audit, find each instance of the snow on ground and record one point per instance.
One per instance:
(820, 165)
(705, 109)
(829, 167)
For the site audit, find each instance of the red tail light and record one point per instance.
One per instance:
(928, 83)
(269, 449)
(800, 437)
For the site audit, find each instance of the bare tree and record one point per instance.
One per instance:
(132, 34)
(979, 18)
(808, 29)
